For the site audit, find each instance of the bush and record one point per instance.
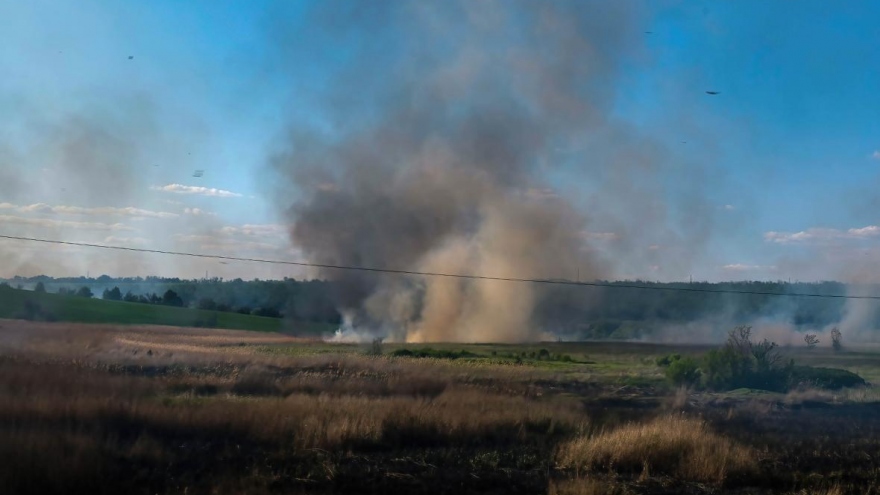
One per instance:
(667, 360)
(683, 372)
(84, 292)
(33, 311)
(742, 363)
(432, 353)
(827, 378)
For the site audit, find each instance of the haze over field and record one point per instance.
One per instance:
(570, 139)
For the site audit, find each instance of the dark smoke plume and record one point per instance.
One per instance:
(439, 138)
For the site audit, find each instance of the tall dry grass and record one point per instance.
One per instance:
(586, 486)
(670, 445)
(71, 424)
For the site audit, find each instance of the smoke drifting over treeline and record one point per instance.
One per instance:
(437, 154)
(437, 149)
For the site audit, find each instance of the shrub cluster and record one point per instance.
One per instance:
(432, 353)
(743, 363)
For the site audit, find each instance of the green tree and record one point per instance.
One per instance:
(207, 303)
(683, 372)
(170, 298)
(40, 287)
(112, 295)
(84, 292)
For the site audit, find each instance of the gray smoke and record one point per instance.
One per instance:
(437, 143)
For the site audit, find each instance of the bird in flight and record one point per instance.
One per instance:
(130, 57)
(198, 173)
(711, 92)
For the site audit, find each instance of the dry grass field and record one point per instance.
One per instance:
(104, 409)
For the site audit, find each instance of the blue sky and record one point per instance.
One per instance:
(785, 152)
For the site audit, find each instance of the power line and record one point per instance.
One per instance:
(437, 274)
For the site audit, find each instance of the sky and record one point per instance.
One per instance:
(109, 108)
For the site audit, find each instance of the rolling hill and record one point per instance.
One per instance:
(23, 304)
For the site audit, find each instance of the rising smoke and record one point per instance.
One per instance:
(439, 165)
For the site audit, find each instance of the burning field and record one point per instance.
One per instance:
(103, 409)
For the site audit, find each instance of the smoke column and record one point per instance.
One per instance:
(434, 153)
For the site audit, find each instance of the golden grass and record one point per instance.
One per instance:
(586, 486)
(671, 445)
(335, 403)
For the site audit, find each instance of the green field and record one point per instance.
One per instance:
(75, 309)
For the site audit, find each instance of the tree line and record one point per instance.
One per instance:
(574, 312)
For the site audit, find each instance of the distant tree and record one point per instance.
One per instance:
(207, 303)
(112, 295)
(767, 355)
(811, 340)
(40, 287)
(243, 310)
(129, 297)
(84, 292)
(170, 298)
(836, 339)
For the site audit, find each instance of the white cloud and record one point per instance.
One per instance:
(256, 230)
(209, 243)
(817, 234)
(58, 224)
(128, 211)
(244, 238)
(126, 241)
(876, 155)
(198, 212)
(239, 246)
(198, 190)
(729, 207)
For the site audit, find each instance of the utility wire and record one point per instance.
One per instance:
(438, 274)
